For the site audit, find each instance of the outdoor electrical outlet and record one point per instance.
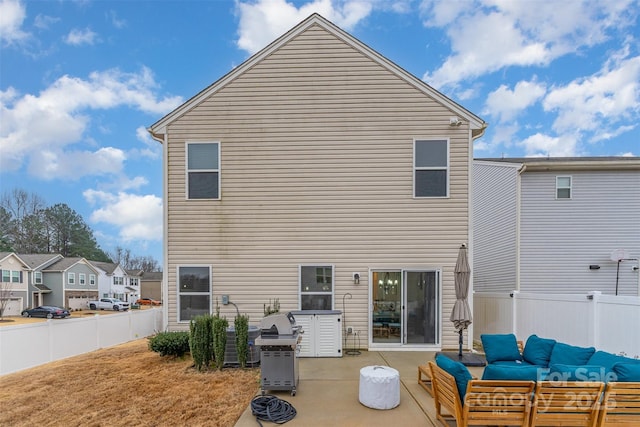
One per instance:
(350, 330)
(225, 299)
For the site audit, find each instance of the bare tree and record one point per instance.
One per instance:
(5, 293)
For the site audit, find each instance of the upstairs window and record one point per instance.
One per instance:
(118, 280)
(203, 170)
(37, 277)
(563, 187)
(71, 278)
(431, 168)
(16, 276)
(316, 287)
(92, 279)
(82, 278)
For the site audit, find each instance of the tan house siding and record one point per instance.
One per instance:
(316, 159)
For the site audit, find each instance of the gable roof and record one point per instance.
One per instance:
(5, 255)
(66, 263)
(477, 125)
(38, 261)
(107, 267)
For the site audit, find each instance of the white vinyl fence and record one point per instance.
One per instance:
(606, 322)
(28, 345)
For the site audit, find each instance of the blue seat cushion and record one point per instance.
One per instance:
(562, 372)
(627, 372)
(537, 351)
(458, 371)
(607, 360)
(499, 347)
(514, 373)
(566, 354)
(515, 363)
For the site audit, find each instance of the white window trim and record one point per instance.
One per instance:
(447, 168)
(570, 187)
(37, 277)
(15, 273)
(333, 283)
(82, 279)
(178, 293)
(186, 168)
(92, 279)
(71, 278)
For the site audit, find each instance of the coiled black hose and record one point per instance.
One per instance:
(270, 408)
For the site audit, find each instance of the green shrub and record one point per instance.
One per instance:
(201, 341)
(220, 325)
(170, 343)
(241, 325)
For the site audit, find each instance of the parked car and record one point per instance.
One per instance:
(47, 311)
(108, 304)
(148, 301)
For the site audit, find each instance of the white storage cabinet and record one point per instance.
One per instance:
(322, 335)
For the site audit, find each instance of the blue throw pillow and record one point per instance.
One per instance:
(458, 371)
(561, 372)
(500, 347)
(566, 354)
(514, 373)
(627, 372)
(537, 351)
(603, 358)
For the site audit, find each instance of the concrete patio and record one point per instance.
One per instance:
(327, 394)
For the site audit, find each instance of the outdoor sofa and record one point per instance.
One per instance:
(607, 385)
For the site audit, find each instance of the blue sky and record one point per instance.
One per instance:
(80, 81)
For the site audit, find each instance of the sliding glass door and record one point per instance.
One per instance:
(405, 307)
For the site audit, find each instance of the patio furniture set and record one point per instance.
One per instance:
(543, 383)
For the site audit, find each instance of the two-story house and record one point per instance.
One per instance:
(38, 289)
(72, 281)
(14, 294)
(321, 174)
(557, 225)
(114, 282)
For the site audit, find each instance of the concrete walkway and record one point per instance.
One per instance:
(327, 394)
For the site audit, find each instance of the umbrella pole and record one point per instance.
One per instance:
(460, 344)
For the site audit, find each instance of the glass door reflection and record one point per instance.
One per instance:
(386, 326)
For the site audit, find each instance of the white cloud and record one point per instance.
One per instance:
(489, 35)
(540, 145)
(58, 116)
(112, 15)
(263, 21)
(137, 217)
(43, 22)
(79, 37)
(71, 165)
(152, 148)
(506, 104)
(600, 103)
(12, 15)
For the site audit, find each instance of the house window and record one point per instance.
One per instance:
(71, 278)
(203, 170)
(194, 292)
(82, 278)
(133, 281)
(6, 276)
(316, 287)
(92, 279)
(37, 277)
(15, 277)
(563, 187)
(431, 168)
(117, 280)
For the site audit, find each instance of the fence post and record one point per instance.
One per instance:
(592, 321)
(514, 312)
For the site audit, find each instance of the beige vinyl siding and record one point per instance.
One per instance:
(316, 145)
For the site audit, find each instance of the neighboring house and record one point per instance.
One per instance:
(13, 283)
(37, 286)
(321, 174)
(151, 285)
(113, 282)
(73, 282)
(551, 224)
(133, 285)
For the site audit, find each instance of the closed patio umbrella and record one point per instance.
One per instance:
(461, 313)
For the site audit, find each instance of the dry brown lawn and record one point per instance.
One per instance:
(125, 385)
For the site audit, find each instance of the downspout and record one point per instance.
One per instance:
(470, 245)
(163, 139)
(522, 170)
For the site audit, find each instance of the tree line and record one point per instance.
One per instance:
(29, 226)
